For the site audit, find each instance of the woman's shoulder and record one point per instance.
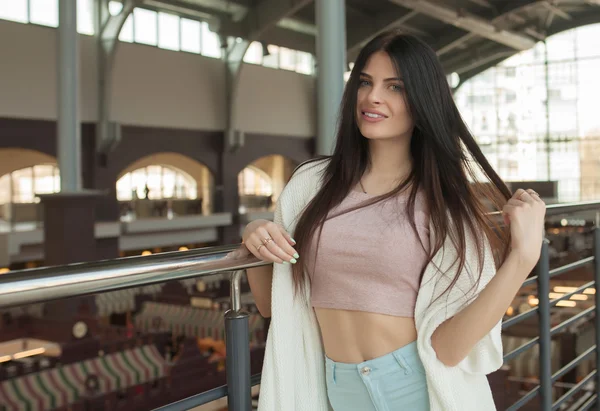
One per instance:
(311, 168)
(303, 185)
(308, 174)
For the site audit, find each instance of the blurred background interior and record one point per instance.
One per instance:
(140, 127)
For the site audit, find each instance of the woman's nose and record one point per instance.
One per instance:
(373, 96)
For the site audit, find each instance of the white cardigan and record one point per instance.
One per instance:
(293, 375)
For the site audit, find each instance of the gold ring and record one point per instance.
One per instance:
(258, 248)
(267, 240)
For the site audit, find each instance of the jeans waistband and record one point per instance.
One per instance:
(408, 351)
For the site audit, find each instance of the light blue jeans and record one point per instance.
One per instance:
(393, 382)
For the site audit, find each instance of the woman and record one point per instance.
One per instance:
(392, 294)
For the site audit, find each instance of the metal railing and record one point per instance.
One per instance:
(544, 338)
(74, 280)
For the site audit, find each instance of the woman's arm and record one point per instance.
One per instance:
(278, 250)
(261, 282)
(454, 339)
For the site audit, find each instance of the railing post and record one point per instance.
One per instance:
(238, 350)
(597, 300)
(543, 273)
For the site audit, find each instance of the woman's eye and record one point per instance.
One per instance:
(396, 87)
(364, 83)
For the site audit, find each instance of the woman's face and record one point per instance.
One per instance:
(382, 111)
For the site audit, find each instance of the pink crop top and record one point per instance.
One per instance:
(370, 259)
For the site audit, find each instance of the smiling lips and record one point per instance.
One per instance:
(372, 116)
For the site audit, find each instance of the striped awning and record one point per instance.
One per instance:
(188, 321)
(122, 301)
(57, 387)
(33, 310)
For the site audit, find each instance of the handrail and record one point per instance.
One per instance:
(569, 208)
(73, 280)
(566, 208)
(50, 283)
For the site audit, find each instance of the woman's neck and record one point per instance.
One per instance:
(391, 163)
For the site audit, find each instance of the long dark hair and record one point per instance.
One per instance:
(448, 165)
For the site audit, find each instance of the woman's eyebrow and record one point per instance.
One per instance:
(387, 79)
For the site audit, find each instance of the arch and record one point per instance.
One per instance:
(253, 180)
(266, 153)
(138, 143)
(261, 182)
(175, 177)
(12, 159)
(186, 164)
(160, 182)
(19, 190)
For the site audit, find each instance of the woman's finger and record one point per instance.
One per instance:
(511, 209)
(286, 242)
(515, 202)
(272, 239)
(267, 255)
(517, 194)
(261, 251)
(534, 195)
(287, 251)
(526, 198)
(288, 237)
(253, 244)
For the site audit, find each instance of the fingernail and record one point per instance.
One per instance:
(285, 262)
(294, 241)
(293, 261)
(296, 255)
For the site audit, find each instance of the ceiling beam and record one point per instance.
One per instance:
(185, 9)
(237, 11)
(452, 42)
(473, 24)
(484, 3)
(555, 10)
(509, 12)
(262, 17)
(298, 26)
(370, 28)
(472, 67)
(232, 17)
(289, 39)
(468, 61)
(287, 33)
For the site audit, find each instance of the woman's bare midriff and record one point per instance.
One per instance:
(355, 336)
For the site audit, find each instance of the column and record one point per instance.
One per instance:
(226, 197)
(331, 63)
(68, 127)
(70, 215)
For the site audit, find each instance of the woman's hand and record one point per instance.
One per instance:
(269, 242)
(525, 213)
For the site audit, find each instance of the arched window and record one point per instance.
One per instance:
(540, 111)
(160, 182)
(22, 186)
(253, 181)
